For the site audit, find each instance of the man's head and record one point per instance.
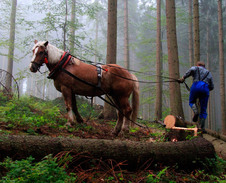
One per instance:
(200, 63)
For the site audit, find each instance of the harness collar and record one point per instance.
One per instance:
(61, 64)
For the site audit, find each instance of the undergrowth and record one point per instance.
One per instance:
(80, 168)
(30, 112)
(34, 112)
(28, 171)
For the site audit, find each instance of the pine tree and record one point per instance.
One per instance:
(109, 111)
(158, 102)
(173, 61)
(221, 65)
(11, 43)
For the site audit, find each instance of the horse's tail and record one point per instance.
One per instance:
(135, 98)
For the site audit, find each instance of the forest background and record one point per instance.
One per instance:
(51, 20)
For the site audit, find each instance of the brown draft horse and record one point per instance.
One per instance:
(115, 81)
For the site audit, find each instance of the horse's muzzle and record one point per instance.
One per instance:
(33, 67)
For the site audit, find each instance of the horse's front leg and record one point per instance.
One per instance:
(75, 109)
(67, 94)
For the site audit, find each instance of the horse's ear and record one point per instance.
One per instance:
(36, 41)
(46, 43)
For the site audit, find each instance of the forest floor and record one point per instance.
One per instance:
(16, 122)
(95, 129)
(101, 129)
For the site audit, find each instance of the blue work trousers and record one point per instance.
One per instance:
(200, 90)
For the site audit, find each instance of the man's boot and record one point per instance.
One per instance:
(196, 113)
(202, 125)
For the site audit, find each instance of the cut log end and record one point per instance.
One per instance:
(170, 121)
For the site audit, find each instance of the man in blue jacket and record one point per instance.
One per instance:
(202, 84)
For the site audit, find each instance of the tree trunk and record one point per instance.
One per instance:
(126, 35)
(209, 68)
(11, 44)
(109, 111)
(65, 25)
(196, 31)
(190, 37)
(72, 27)
(218, 143)
(185, 153)
(221, 65)
(173, 61)
(158, 102)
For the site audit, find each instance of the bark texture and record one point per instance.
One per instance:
(221, 66)
(185, 153)
(11, 43)
(176, 108)
(219, 145)
(72, 27)
(196, 31)
(190, 35)
(158, 102)
(109, 111)
(126, 35)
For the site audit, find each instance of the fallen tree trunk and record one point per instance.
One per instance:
(216, 134)
(219, 145)
(185, 154)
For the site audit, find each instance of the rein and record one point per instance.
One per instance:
(63, 62)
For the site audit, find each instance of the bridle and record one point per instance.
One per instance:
(40, 62)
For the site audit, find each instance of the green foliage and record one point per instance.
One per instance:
(86, 110)
(3, 99)
(215, 165)
(30, 112)
(152, 178)
(26, 170)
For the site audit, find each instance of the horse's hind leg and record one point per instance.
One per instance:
(123, 115)
(118, 125)
(75, 109)
(127, 117)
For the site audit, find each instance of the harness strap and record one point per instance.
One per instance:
(61, 64)
(99, 74)
(110, 102)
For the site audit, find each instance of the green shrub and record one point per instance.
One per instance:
(26, 170)
(30, 112)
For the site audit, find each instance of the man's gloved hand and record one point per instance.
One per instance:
(181, 80)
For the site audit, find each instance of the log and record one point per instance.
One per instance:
(186, 154)
(172, 121)
(177, 130)
(216, 134)
(219, 145)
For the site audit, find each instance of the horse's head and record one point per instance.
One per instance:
(39, 55)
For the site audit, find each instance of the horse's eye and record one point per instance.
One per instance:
(41, 52)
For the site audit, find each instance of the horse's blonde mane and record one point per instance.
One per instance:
(54, 54)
